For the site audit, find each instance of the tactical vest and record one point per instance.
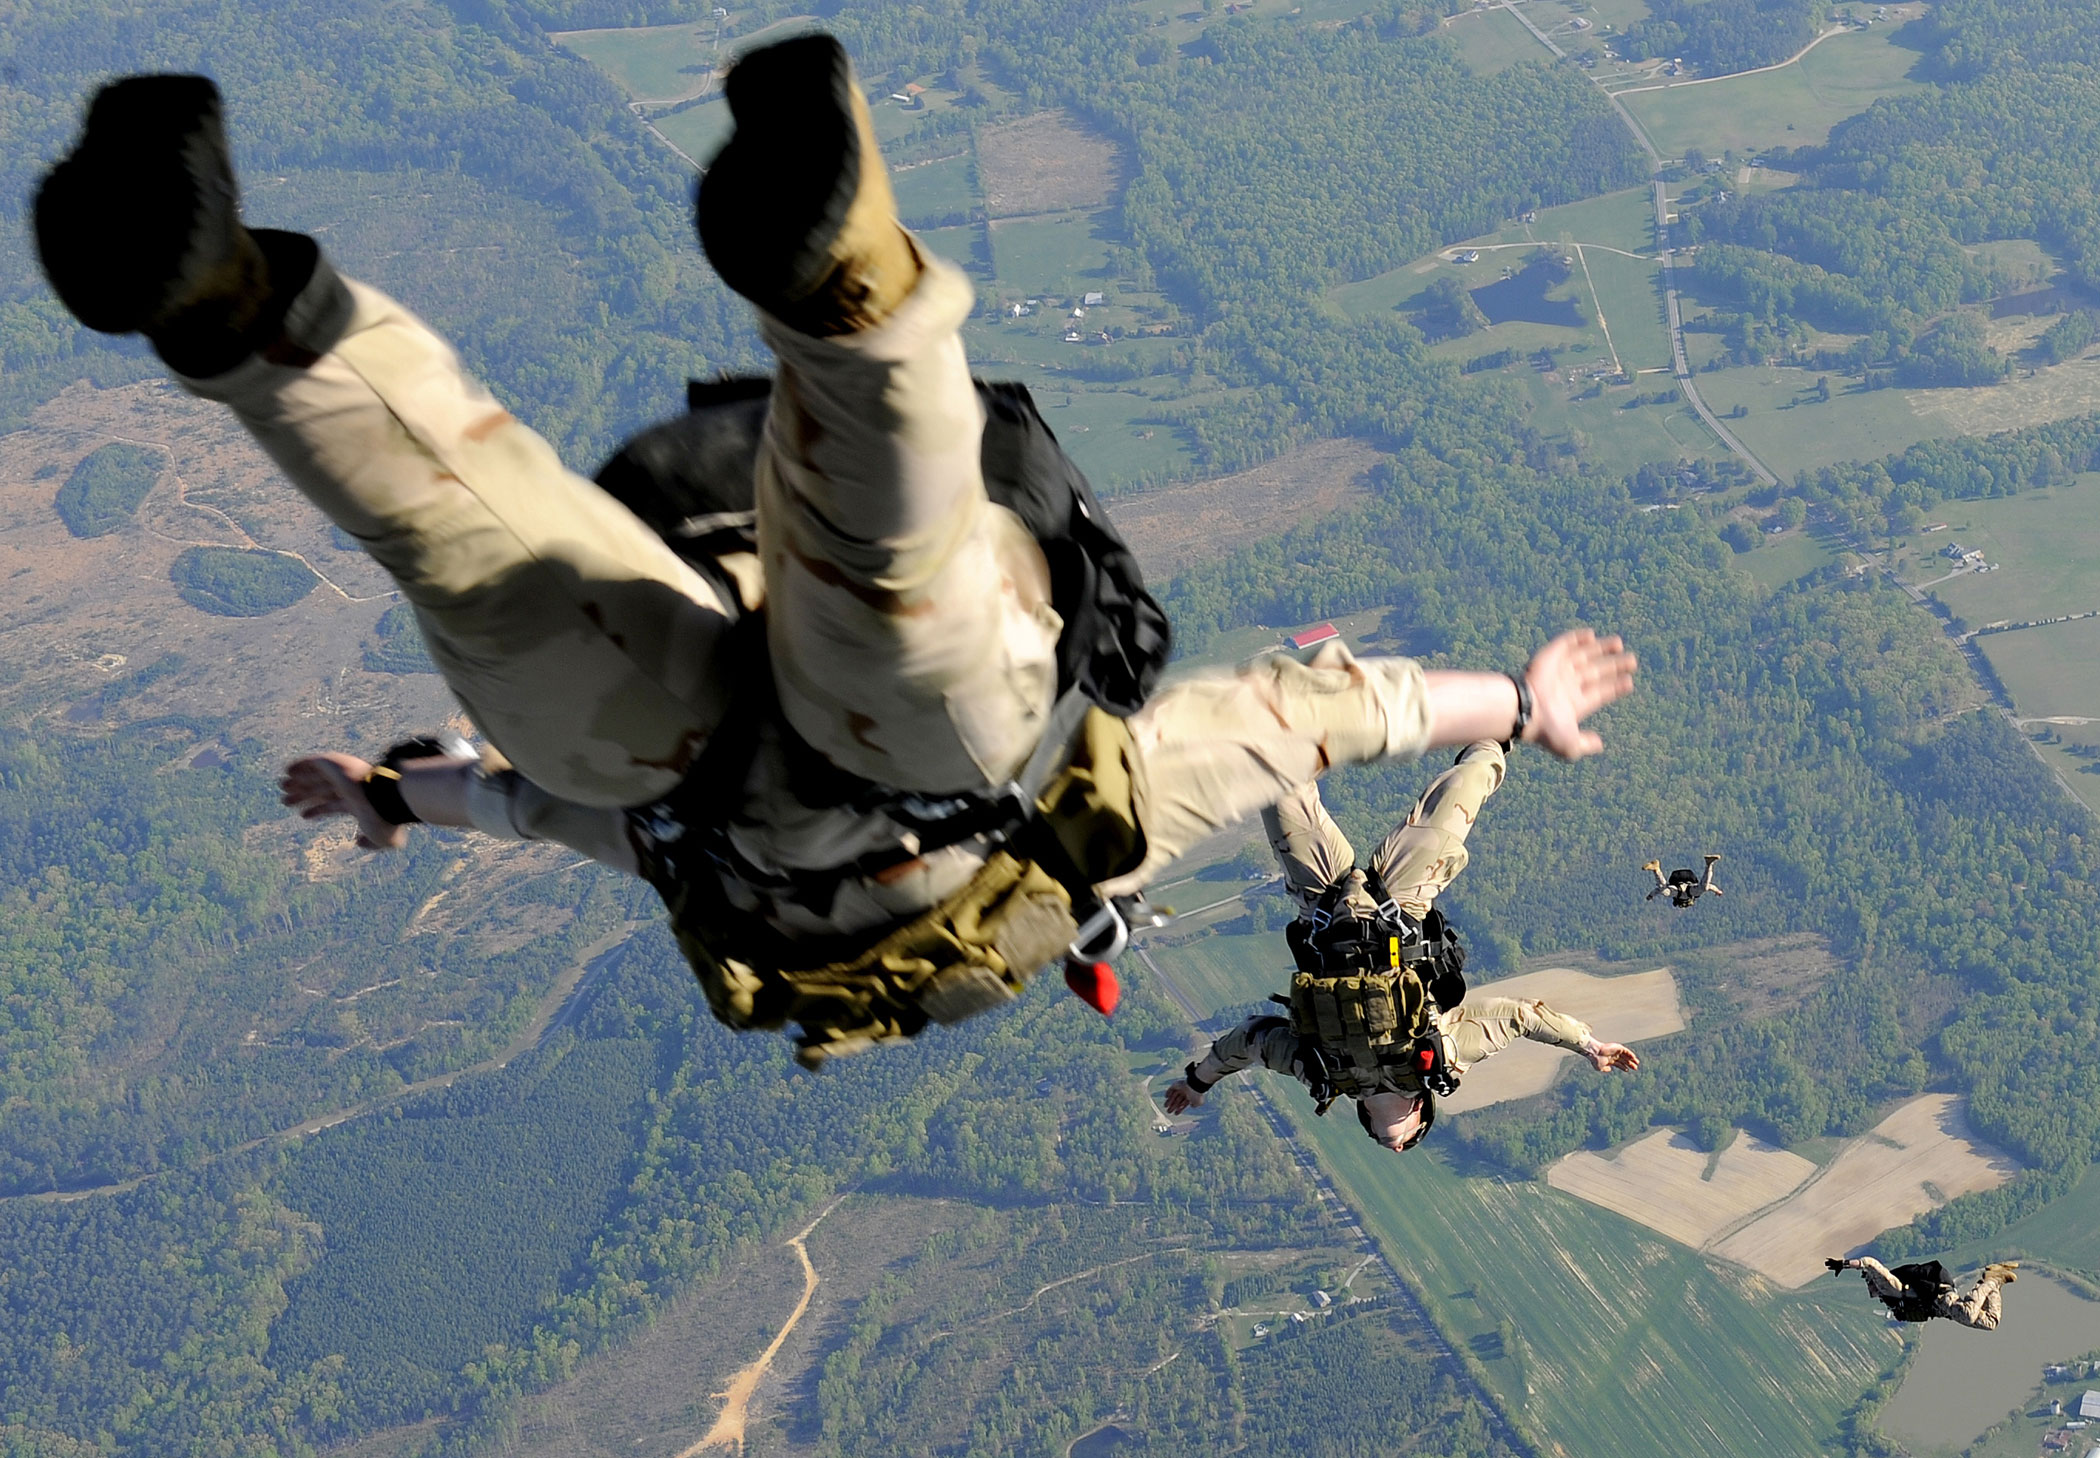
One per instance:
(1068, 822)
(1923, 1285)
(1365, 998)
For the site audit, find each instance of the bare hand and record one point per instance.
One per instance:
(321, 785)
(1181, 1098)
(1571, 678)
(1610, 1057)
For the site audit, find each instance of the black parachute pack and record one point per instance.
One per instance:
(692, 480)
(1923, 1285)
(1366, 994)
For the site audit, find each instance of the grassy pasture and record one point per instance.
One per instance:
(1784, 559)
(2048, 543)
(1629, 294)
(1064, 255)
(932, 190)
(651, 62)
(1791, 433)
(2049, 671)
(698, 130)
(1794, 106)
(1490, 41)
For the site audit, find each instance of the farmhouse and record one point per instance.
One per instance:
(1094, 298)
(1311, 636)
(2089, 1405)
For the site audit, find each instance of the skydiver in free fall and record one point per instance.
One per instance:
(1684, 885)
(1924, 1291)
(881, 742)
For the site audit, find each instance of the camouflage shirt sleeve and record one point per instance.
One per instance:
(1266, 1040)
(1483, 1026)
(504, 803)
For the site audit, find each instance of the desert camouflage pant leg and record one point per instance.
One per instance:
(1982, 1308)
(909, 618)
(1214, 748)
(580, 644)
(1421, 857)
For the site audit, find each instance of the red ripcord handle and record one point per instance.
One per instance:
(1095, 984)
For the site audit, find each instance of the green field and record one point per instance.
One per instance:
(1603, 1340)
(651, 62)
(931, 191)
(1489, 41)
(1794, 106)
(1792, 433)
(1778, 561)
(1062, 255)
(1629, 294)
(963, 246)
(697, 130)
(1613, 438)
(2049, 671)
(2047, 541)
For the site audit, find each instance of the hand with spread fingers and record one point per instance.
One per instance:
(1614, 1057)
(1181, 1098)
(1571, 678)
(321, 785)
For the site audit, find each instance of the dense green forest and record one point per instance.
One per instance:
(1720, 36)
(105, 489)
(234, 582)
(396, 644)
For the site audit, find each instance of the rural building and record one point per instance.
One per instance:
(1094, 298)
(1311, 636)
(1467, 255)
(1322, 1300)
(2089, 1405)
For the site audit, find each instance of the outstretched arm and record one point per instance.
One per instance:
(1571, 678)
(456, 792)
(1261, 1039)
(1483, 1027)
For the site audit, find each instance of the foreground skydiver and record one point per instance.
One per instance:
(1379, 1012)
(1921, 1292)
(868, 805)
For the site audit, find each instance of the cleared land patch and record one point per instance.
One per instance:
(1627, 1009)
(1177, 526)
(1046, 163)
(1918, 1158)
(1793, 106)
(1675, 1188)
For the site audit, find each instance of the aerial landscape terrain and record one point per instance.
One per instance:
(1763, 332)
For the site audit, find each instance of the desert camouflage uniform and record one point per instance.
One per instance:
(908, 618)
(1417, 862)
(1982, 1308)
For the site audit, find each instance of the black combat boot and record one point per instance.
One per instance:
(795, 211)
(139, 229)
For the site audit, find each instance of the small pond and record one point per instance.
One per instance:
(1101, 1443)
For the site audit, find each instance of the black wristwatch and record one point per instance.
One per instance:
(383, 785)
(1527, 706)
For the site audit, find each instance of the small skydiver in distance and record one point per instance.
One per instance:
(1923, 1291)
(1378, 1008)
(1684, 885)
(885, 742)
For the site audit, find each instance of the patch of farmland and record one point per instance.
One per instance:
(1675, 1188)
(1915, 1160)
(1045, 163)
(1627, 1009)
(1179, 526)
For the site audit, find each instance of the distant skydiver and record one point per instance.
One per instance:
(1378, 1007)
(1921, 1292)
(883, 743)
(1684, 885)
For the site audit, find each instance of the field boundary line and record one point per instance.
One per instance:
(1733, 75)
